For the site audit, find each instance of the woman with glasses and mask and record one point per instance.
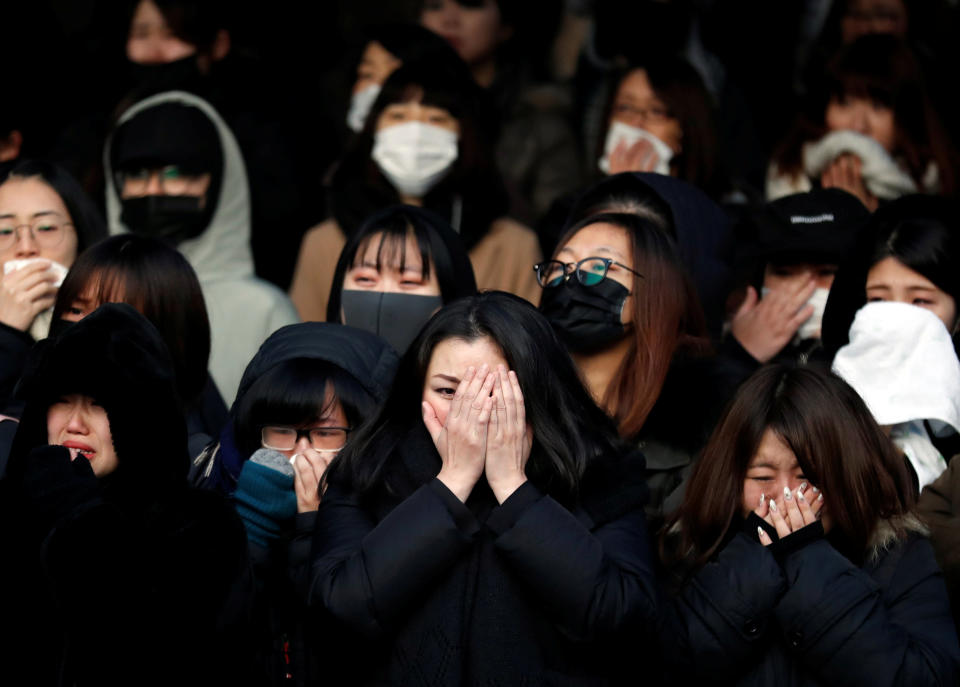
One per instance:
(306, 391)
(619, 298)
(46, 220)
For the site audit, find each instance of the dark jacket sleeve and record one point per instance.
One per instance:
(722, 619)
(14, 347)
(367, 574)
(848, 630)
(593, 580)
(939, 506)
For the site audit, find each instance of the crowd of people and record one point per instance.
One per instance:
(562, 343)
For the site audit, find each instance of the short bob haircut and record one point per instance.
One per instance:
(161, 285)
(87, 221)
(439, 246)
(919, 232)
(680, 87)
(838, 446)
(472, 194)
(294, 393)
(882, 69)
(667, 318)
(569, 430)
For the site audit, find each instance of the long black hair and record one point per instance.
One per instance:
(919, 231)
(438, 244)
(87, 221)
(472, 195)
(569, 430)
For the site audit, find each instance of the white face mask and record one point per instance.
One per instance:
(810, 329)
(629, 135)
(360, 104)
(414, 156)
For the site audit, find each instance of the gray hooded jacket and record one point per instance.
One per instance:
(243, 309)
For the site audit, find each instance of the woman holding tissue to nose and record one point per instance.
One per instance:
(660, 119)
(796, 557)
(45, 221)
(487, 526)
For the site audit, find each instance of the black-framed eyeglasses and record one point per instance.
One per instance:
(323, 439)
(590, 271)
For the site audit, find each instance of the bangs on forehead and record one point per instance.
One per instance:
(111, 287)
(866, 86)
(392, 249)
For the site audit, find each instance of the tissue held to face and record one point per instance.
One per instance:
(891, 280)
(37, 244)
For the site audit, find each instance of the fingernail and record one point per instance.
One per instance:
(762, 498)
(801, 497)
(802, 488)
(787, 495)
(820, 498)
(773, 505)
(816, 490)
(760, 532)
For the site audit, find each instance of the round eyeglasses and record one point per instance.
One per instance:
(590, 271)
(323, 439)
(47, 231)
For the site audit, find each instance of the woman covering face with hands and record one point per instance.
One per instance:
(796, 558)
(489, 486)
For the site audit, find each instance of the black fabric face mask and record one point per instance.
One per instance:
(586, 318)
(169, 218)
(179, 75)
(396, 317)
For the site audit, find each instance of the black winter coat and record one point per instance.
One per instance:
(445, 593)
(816, 618)
(127, 578)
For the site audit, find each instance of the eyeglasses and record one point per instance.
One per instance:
(172, 179)
(642, 115)
(589, 271)
(323, 439)
(47, 231)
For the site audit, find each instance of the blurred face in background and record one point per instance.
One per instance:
(636, 104)
(873, 16)
(864, 116)
(151, 40)
(472, 27)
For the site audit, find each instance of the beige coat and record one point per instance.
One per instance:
(503, 260)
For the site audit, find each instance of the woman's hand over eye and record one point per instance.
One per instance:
(461, 441)
(509, 438)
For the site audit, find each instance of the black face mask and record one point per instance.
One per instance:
(586, 318)
(396, 317)
(179, 75)
(169, 218)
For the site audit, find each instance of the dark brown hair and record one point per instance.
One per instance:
(160, 284)
(838, 446)
(881, 69)
(666, 317)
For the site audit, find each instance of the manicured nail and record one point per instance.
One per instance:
(803, 487)
(820, 498)
(816, 490)
(760, 532)
(762, 498)
(787, 495)
(801, 497)
(773, 505)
